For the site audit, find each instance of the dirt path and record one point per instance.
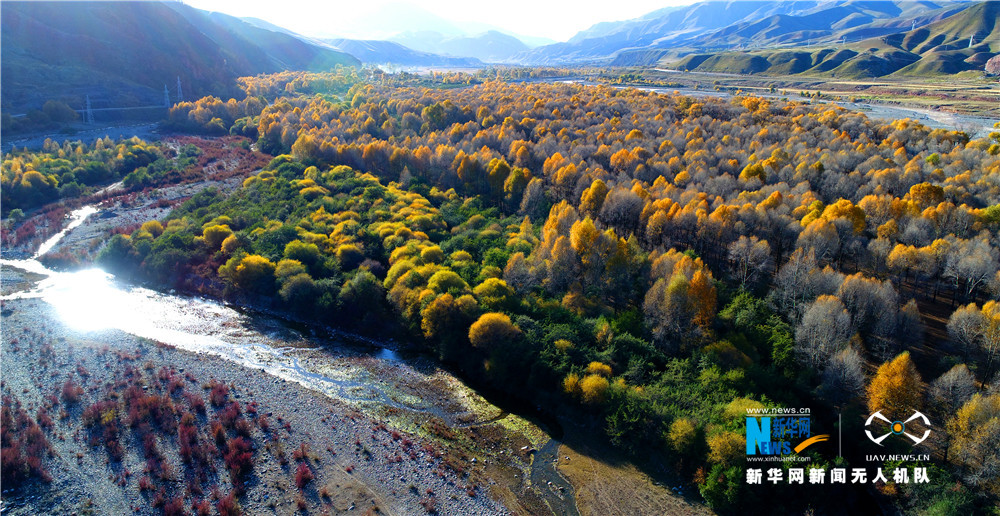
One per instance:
(603, 488)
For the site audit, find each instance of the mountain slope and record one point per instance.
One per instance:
(724, 25)
(832, 22)
(123, 53)
(965, 41)
(942, 47)
(667, 27)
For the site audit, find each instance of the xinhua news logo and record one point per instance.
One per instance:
(779, 432)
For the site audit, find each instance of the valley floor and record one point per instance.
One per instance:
(971, 104)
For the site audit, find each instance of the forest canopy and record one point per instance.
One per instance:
(655, 262)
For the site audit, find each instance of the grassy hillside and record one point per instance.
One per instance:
(718, 26)
(940, 48)
(122, 54)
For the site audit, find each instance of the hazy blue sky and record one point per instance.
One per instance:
(557, 20)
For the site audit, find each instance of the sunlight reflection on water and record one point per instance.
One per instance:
(76, 218)
(91, 300)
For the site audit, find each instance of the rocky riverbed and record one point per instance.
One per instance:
(355, 455)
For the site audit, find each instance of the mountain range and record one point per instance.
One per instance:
(491, 46)
(724, 25)
(123, 53)
(963, 41)
(392, 53)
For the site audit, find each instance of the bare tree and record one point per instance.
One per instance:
(952, 389)
(825, 330)
(973, 261)
(964, 327)
(750, 257)
(621, 210)
(791, 290)
(844, 378)
(909, 327)
(518, 274)
(978, 332)
(533, 203)
(872, 304)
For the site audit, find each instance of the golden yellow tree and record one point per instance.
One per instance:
(682, 435)
(593, 388)
(896, 387)
(975, 431)
(492, 330)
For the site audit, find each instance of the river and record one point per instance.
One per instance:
(92, 300)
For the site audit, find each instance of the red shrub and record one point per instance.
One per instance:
(219, 434)
(239, 458)
(301, 453)
(229, 506)
(160, 499)
(175, 507)
(219, 393)
(196, 402)
(303, 475)
(149, 448)
(242, 428)
(176, 385)
(187, 441)
(429, 504)
(43, 418)
(230, 414)
(203, 508)
(92, 415)
(71, 392)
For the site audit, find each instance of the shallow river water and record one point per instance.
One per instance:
(92, 300)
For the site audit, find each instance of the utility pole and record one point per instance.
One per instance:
(180, 94)
(972, 38)
(166, 97)
(913, 26)
(89, 116)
